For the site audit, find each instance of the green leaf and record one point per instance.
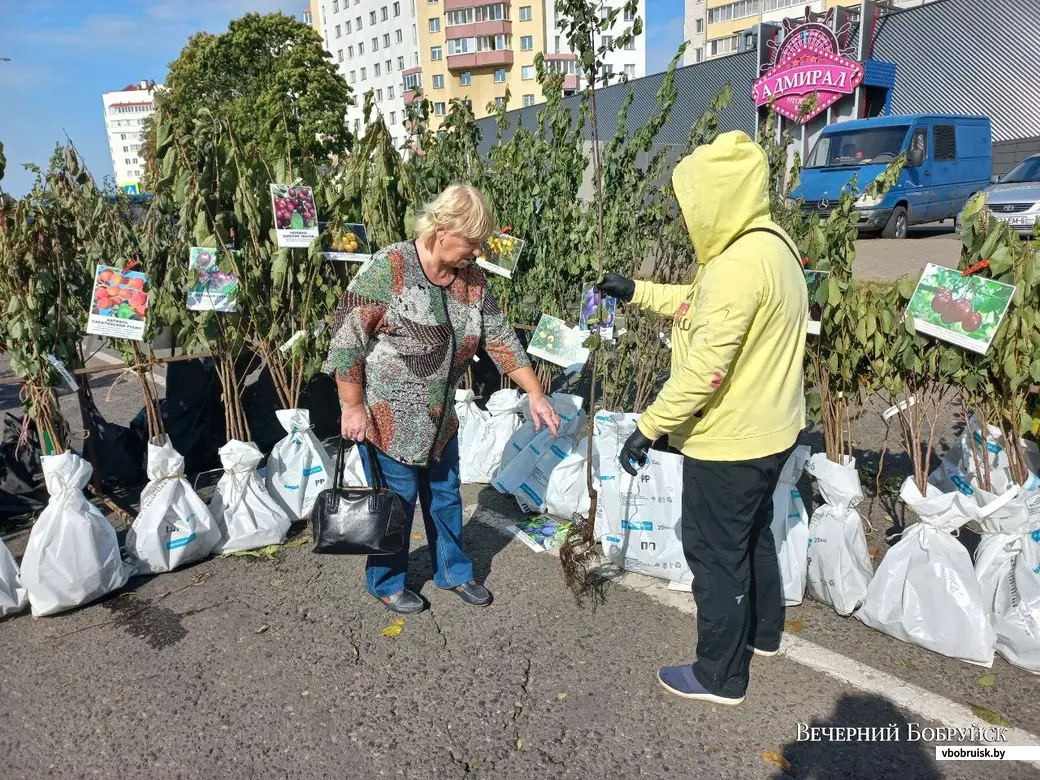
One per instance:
(833, 291)
(1001, 260)
(990, 716)
(950, 362)
(907, 285)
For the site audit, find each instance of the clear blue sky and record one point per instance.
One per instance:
(65, 53)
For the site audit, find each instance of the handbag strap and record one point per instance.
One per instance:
(771, 231)
(378, 480)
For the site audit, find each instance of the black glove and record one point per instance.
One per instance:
(617, 286)
(634, 453)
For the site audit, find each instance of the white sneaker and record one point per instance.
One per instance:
(763, 653)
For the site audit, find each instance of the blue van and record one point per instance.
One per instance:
(948, 159)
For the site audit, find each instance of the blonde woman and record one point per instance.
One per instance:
(405, 333)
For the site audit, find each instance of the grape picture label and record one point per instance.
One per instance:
(346, 243)
(597, 312)
(295, 218)
(816, 281)
(500, 254)
(119, 303)
(216, 288)
(965, 311)
(555, 342)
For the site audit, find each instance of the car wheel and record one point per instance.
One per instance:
(897, 224)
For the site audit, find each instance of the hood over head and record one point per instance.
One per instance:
(722, 188)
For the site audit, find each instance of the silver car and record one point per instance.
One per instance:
(1014, 198)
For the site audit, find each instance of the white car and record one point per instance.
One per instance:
(1014, 198)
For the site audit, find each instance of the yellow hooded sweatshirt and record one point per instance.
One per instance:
(738, 336)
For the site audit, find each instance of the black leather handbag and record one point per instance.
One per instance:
(358, 520)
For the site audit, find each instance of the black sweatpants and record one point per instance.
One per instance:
(726, 512)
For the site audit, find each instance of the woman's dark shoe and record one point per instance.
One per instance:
(405, 603)
(473, 593)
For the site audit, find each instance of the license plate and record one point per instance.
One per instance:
(1017, 221)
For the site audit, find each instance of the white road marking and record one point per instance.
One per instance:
(907, 696)
(112, 360)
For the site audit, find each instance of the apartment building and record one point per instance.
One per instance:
(125, 112)
(374, 43)
(695, 27)
(729, 24)
(476, 51)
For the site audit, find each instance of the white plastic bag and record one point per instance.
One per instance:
(790, 528)
(530, 494)
(174, 526)
(567, 493)
(354, 469)
(483, 435)
(298, 468)
(925, 591)
(839, 567)
(1007, 563)
(972, 454)
(248, 516)
(610, 431)
(72, 556)
(13, 597)
(644, 520)
(520, 465)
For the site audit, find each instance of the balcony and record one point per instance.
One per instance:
(482, 59)
(458, 5)
(475, 30)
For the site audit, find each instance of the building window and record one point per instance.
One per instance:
(608, 70)
(500, 75)
(347, 25)
(386, 40)
(526, 43)
(371, 17)
(630, 71)
(528, 100)
(436, 54)
(629, 16)
(376, 69)
(414, 81)
(398, 36)
(389, 67)
(723, 46)
(630, 45)
(607, 41)
(390, 93)
(415, 37)
(384, 14)
(525, 13)
(339, 55)
(364, 74)
(357, 125)
(400, 63)
(438, 108)
(527, 72)
(350, 52)
(491, 13)
(465, 79)
(393, 117)
(557, 50)
(353, 77)
(379, 94)
(604, 13)
(435, 24)
(361, 48)
(339, 31)
(463, 16)
(335, 6)
(494, 42)
(699, 25)
(461, 46)
(438, 81)
(499, 102)
(698, 54)
(358, 23)
(397, 9)
(375, 44)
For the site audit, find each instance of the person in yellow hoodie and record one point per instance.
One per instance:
(734, 405)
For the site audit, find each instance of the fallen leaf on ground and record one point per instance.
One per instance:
(777, 758)
(417, 536)
(519, 743)
(261, 630)
(793, 626)
(299, 541)
(904, 663)
(267, 552)
(561, 696)
(705, 748)
(994, 718)
(987, 680)
(396, 627)
(276, 583)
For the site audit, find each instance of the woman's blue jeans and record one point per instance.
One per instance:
(438, 489)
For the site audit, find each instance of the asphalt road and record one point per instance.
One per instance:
(279, 668)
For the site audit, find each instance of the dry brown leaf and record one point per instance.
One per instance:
(873, 550)
(777, 758)
(793, 626)
(417, 537)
